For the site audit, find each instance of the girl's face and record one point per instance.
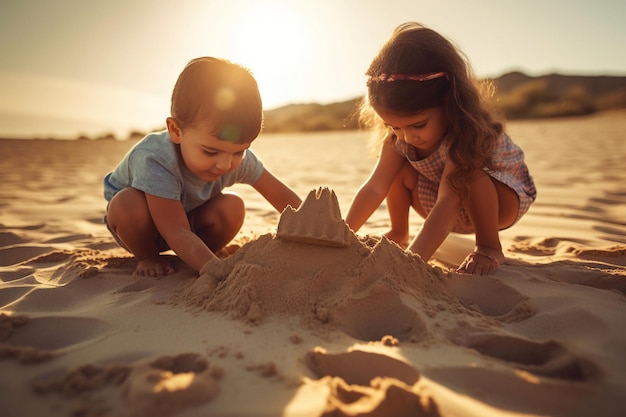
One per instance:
(205, 155)
(423, 130)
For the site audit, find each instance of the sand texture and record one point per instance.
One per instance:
(300, 316)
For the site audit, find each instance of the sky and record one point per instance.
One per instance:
(113, 63)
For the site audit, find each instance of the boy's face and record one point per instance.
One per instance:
(205, 155)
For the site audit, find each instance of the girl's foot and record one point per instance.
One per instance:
(153, 267)
(402, 239)
(482, 261)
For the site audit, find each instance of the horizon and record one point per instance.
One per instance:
(114, 63)
(64, 128)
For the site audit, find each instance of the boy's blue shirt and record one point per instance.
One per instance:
(154, 166)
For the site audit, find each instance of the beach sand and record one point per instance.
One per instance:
(302, 317)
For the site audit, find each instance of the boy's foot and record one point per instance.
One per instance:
(402, 239)
(482, 261)
(153, 267)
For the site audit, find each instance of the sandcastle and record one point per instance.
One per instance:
(316, 268)
(296, 224)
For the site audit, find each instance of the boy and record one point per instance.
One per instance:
(167, 192)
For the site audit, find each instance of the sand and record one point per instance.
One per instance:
(301, 317)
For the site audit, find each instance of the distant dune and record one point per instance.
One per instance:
(519, 96)
(555, 95)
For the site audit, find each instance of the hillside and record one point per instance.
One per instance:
(518, 96)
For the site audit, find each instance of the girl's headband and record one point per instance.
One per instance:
(384, 78)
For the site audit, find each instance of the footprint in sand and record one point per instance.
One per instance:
(542, 246)
(349, 366)
(379, 314)
(170, 383)
(548, 358)
(366, 383)
(159, 387)
(491, 297)
(615, 255)
(579, 264)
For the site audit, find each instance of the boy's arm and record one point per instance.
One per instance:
(275, 192)
(372, 193)
(171, 221)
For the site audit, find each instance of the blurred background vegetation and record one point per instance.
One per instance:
(518, 96)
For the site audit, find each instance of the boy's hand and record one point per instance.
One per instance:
(209, 265)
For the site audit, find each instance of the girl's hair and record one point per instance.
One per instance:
(222, 92)
(413, 50)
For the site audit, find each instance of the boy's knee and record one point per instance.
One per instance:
(225, 209)
(233, 203)
(129, 205)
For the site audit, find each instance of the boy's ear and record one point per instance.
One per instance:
(174, 129)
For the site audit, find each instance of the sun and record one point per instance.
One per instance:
(276, 43)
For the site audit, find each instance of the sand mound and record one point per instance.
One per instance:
(315, 267)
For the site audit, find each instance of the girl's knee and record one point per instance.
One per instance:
(508, 205)
(406, 177)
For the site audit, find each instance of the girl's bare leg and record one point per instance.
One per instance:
(129, 218)
(491, 206)
(401, 197)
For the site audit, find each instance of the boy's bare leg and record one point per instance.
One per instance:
(129, 218)
(219, 220)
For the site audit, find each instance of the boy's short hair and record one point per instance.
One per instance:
(224, 93)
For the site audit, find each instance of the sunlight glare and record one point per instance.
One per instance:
(171, 382)
(275, 42)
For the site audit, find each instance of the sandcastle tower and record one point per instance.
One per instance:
(316, 222)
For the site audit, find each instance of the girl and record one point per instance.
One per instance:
(443, 152)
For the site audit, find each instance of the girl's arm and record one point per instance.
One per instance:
(372, 193)
(275, 192)
(171, 221)
(440, 221)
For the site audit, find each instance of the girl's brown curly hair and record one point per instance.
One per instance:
(473, 129)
